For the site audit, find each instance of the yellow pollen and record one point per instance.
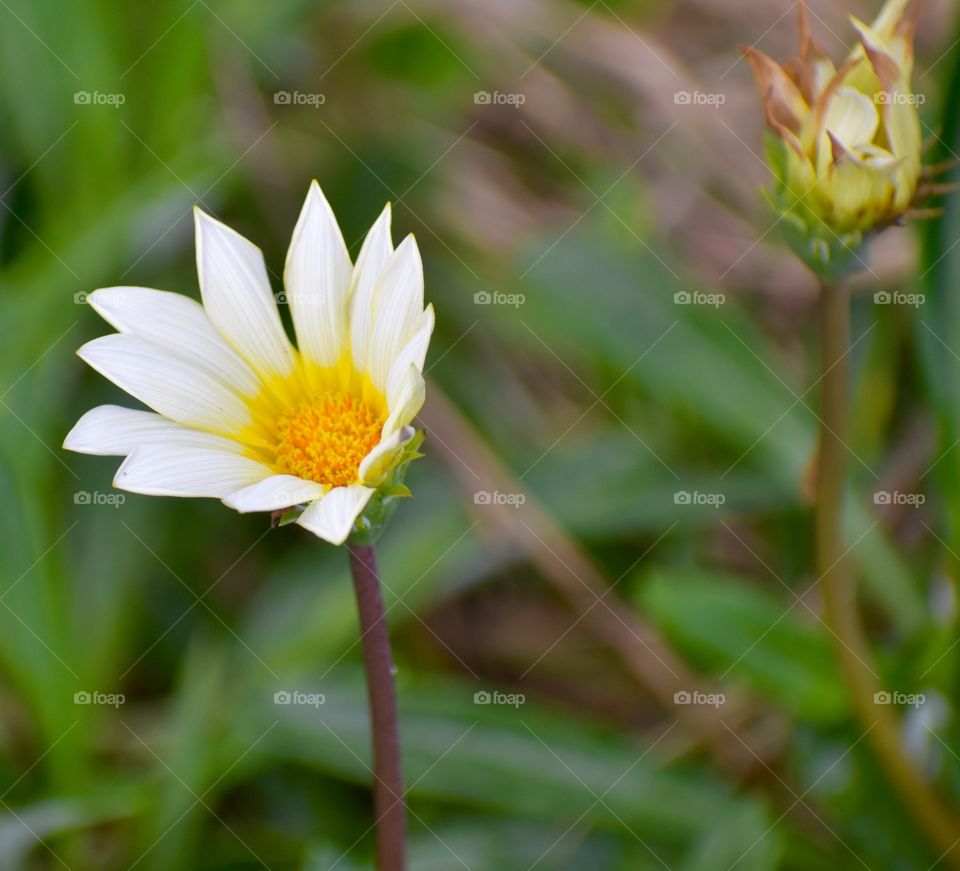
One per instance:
(325, 438)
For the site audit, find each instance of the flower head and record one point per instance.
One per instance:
(241, 415)
(844, 143)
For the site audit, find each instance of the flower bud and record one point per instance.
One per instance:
(844, 144)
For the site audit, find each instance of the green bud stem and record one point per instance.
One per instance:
(882, 728)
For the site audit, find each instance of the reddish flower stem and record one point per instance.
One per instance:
(388, 799)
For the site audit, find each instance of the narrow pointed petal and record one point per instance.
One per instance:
(173, 387)
(178, 324)
(813, 69)
(237, 297)
(316, 279)
(890, 18)
(408, 401)
(161, 470)
(397, 305)
(414, 354)
(274, 493)
(373, 464)
(783, 102)
(114, 431)
(373, 257)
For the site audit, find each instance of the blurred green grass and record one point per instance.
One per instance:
(600, 395)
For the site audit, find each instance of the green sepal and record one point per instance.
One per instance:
(287, 516)
(831, 256)
(373, 520)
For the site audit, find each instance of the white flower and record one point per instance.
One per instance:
(242, 415)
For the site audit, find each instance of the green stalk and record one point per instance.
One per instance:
(940, 826)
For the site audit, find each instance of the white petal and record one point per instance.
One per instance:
(113, 431)
(175, 388)
(408, 401)
(877, 158)
(316, 278)
(852, 118)
(413, 353)
(374, 253)
(274, 493)
(397, 305)
(161, 470)
(332, 517)
(371, 467)
(178, 324)
(237, 297)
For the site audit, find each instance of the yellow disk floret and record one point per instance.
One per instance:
(325, 438)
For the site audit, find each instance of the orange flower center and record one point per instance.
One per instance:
(325, 438)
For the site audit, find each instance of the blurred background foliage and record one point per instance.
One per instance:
(590, 391)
